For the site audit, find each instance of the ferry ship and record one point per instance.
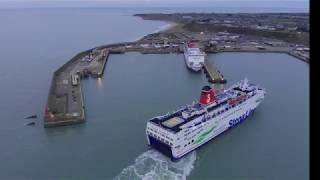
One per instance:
(194, 56)
(184, 130)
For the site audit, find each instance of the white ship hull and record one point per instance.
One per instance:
(194, 58)
(204, 127)
(194, 63)
(218, 125)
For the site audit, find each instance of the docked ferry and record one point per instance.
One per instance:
(194, 56)
(184, 130)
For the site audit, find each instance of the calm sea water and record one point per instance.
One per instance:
(272, 144)
(33, 44)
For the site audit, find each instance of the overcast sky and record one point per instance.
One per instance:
(155, 3)
(146, 0)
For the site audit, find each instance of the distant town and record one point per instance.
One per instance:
(287, 32)
(267, 21)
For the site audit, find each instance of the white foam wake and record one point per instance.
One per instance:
(152, 165)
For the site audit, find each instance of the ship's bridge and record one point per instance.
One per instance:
(195, 51)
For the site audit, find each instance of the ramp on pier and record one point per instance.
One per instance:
(212, 73)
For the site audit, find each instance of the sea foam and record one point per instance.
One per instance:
(152, 165)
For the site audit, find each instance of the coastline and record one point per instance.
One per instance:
(168, 38)
(131, 83)
(291, 28)
(165, 27)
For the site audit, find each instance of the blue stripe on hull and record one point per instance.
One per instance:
(176, 159)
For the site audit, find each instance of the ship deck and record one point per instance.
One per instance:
(174, 121)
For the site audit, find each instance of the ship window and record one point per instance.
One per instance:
(192, 140)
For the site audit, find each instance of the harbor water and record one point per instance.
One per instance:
(271, 144)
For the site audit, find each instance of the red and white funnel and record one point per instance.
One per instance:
(207, 96)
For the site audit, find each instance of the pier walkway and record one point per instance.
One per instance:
(65, 104)
(212, 73)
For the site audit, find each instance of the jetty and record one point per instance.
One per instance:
(65, 103)
(212, 73)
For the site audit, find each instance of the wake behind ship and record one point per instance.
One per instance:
(186, 129)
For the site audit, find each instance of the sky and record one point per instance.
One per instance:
(154, 3)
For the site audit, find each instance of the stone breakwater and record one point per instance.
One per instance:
(65, 103)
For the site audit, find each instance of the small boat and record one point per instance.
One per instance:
(30, 123)
(31, 117)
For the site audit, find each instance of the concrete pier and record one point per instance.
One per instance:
(98, 68)
(212, 73)
(65, 104)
